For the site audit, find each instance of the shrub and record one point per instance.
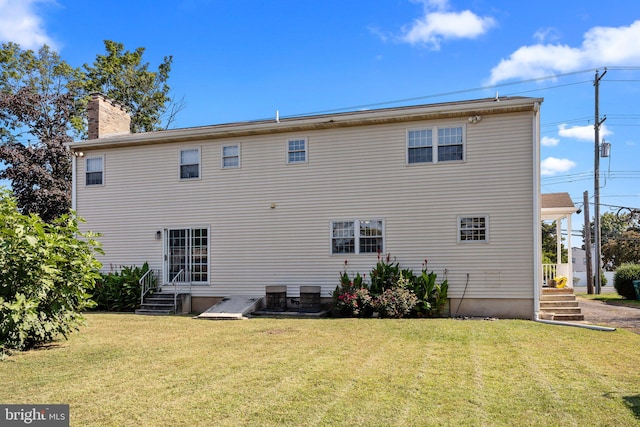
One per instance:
(352, 298)
(397, 301)
(432, 296)
(384, 275)
(46, 273)
(120, 291)
(623, 280)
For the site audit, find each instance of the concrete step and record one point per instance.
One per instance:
(553, 304)
(154, 312)
(568, 317)
(551, 291)
(562, 310)
(558, 297)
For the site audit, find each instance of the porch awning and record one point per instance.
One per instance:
(556, 206)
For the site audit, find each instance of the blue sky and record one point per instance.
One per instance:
(237, 60)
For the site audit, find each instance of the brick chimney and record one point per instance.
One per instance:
(106, 117)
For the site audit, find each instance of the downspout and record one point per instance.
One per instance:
(577, 325)
(73, 180)
(537, 231)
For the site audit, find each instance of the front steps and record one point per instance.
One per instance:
(559, 304)
(158, 303)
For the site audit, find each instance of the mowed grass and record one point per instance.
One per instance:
(610, 297)
(127, 370)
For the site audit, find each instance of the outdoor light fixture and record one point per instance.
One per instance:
(158, 235)
(78, 153)
(474, 119)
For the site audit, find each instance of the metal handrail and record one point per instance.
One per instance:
(146, 284)
(180, 274)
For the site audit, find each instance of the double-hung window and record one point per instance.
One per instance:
(357, 237)
(297, 150)
(420, 146)
(94, 171)
(436, 144)
(473, 228)
(230, 156)
(190, 163)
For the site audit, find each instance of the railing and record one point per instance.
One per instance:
(179, 278)
(147, 282)
(550, 271)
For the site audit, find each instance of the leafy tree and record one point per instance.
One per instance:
(43, 105)
(46, 272)
(37, 102)
(620, 238)
(122, 76)
(550, 245)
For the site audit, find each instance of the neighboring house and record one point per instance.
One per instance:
(579, 260)
(285, 202)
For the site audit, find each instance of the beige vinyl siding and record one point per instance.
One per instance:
(351, 173)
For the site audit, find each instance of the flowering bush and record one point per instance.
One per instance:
(397, 301)
(357, 303)
(352, 297)
(394, 292)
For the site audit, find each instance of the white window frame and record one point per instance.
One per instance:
(295, 151)
(356, 237)
(223, 157)
(101, 171)
(460, 228)
(180, 164)
(436, 144)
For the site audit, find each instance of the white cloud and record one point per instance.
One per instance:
(20, 23)
(600, 46)
(582, 133)
(439, 24)
(552, 166)
(549, 142)
(546, 34)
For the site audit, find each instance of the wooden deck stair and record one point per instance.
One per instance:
(559, 304)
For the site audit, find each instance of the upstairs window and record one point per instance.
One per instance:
(420, 146)
(297, 151)
(230, 156)
(448, 146)
(473, 229)
(94, 171)
(190, 163)
(357, 237)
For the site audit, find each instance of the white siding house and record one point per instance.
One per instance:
(286, 202)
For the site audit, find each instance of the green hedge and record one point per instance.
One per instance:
(119, 290)
(623, 280)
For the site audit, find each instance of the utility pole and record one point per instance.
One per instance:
(596, 185)
(587, 243)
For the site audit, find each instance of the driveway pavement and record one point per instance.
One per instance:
(600, 313)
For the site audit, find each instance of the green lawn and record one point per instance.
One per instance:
(127, 370)
(610, 298)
